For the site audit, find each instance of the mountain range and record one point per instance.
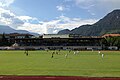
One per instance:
(6, 29)
(109, 24)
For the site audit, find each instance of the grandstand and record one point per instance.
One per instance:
(67, 41)
(55, 41)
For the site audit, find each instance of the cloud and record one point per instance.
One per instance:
(28, 19)
(9, 18)
(37, 28)
(60, 8)
(92, 3)
(33, 24)
(5, 3)
(85, 4)
(53, 26)
(71, 23)
(96, 7)
(17, 22)
(21, 22)
(6, 15)
(42, 27)
(63, 7)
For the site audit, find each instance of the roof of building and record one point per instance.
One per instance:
(108, 35)
(16, 34)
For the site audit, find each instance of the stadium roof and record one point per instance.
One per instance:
(108, 35)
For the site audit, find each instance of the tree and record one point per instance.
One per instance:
(112, 41)
(4, 40)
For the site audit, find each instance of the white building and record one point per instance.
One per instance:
(61, 36)
(56, 36)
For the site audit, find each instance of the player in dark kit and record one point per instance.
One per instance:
(26, 52)
(52, 54)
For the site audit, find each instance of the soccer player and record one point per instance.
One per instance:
(102, 55)
(92, 50)
(52, 54)
(26, 52)
(74, 52)
(99, 52)
(77, 52)
(69, 51)
(66, 55)
(57, 52)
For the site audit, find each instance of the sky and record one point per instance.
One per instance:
(51, 16)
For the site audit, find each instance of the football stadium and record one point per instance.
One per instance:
(53, 56)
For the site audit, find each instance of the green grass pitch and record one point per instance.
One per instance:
(85, 63)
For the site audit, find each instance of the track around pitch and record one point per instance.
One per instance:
(53, 78)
